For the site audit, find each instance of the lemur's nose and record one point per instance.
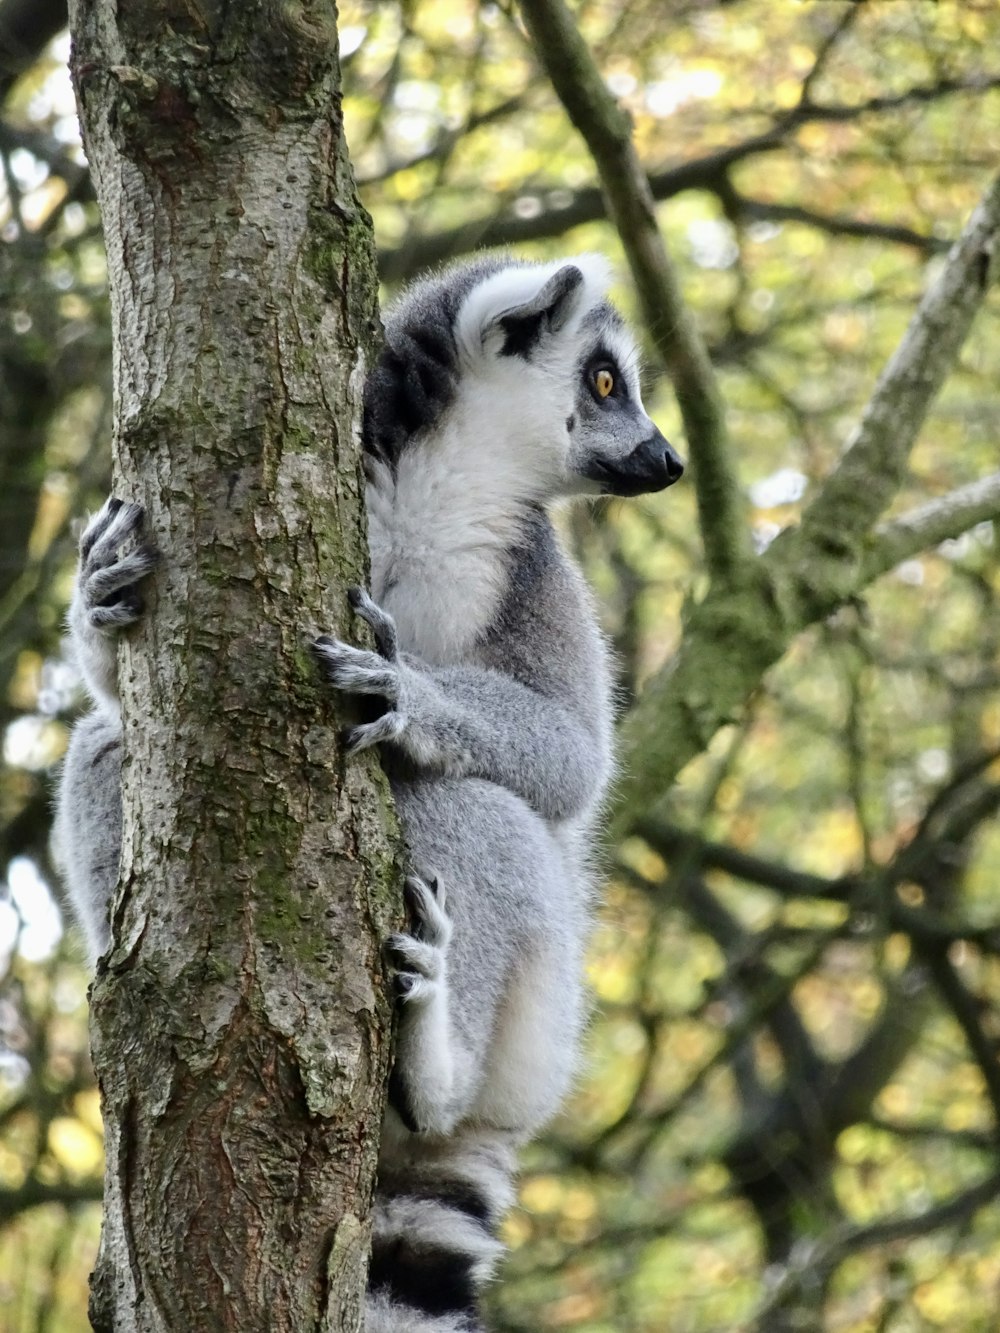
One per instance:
(673, 464)
(660, 461)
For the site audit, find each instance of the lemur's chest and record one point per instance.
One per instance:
(441, 539)
(443, 593)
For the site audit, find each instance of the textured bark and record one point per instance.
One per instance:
(239, 1029)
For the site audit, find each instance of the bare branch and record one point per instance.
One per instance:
(825, 1257)
(921, 529)
(709, 172)
(835, 224)
(965, 1010)
(731, 640)
(824, 51)
(948, 822)
(33, 1194)
(445, 142)
(874, 464)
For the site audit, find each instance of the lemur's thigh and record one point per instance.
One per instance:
(536, 1042)
(514, 956)
(88, 823)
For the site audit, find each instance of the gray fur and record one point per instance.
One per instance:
(480, 413)
(86, 837)
(496, 730)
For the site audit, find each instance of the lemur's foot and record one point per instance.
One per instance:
(418, 959)
(358, 671)
(109, 581)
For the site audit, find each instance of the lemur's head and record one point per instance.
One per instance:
(526, 365)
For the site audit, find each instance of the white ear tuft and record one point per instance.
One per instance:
(544, 298)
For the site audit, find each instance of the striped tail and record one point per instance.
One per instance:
(434, 1244)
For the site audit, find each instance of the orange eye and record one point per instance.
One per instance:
(604, 382)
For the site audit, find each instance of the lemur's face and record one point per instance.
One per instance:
(613, 444)
(553, 363)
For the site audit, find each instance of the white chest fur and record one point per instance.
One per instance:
(440, 532)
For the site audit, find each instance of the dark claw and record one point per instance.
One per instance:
(393, 956)
(381, 625)
(316, 648)
(411, 897)
(127, 598)
(149, 552)
(403, 983)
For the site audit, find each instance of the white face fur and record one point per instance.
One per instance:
(545, 358)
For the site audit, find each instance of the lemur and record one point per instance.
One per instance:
(502, 388)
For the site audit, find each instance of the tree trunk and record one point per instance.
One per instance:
(239, 1029)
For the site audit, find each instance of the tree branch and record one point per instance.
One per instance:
(33, 1194)
(710, 172)
(874, 464)
(965, 1011)
(923, 528)
(730, 640)
(917, 861)
(823, 1259)
(607, 132)
(763, 210)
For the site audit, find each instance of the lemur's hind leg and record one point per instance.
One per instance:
(431, 1071)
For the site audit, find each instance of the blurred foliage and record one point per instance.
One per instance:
(790, 1111)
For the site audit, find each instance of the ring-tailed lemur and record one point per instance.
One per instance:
(502, 387)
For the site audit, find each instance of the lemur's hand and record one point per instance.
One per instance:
(417, 957)
(106, 598)
(358, 671)
(107, 582)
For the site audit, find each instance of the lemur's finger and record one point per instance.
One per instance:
(355, 669)
(383, 625)
(426, 901)
(102, 584)
(388, 727)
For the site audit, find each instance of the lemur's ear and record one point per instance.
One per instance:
(515, 312)
(546, 312)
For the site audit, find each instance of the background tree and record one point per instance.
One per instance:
(791, 1113)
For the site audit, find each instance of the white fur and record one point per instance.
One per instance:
(383, 1315)
(516, 285)
(535, 1048)
(440, 532)
(438, 1068)
(426, 1221)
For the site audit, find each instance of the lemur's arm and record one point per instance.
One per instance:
(87, 827)
(468, 721)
